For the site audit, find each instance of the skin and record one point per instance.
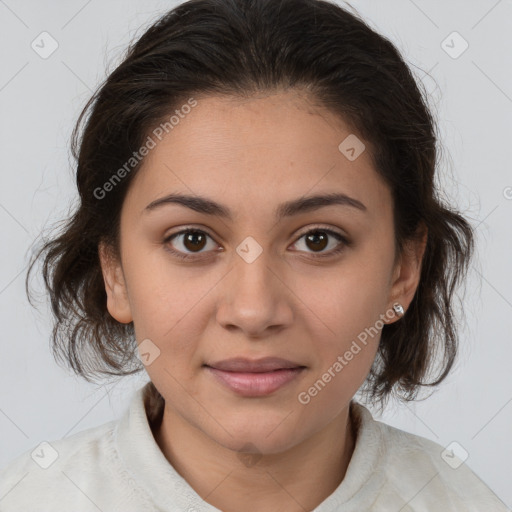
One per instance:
(251, 155)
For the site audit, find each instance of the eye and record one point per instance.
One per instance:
(195, 240)
(318, 239)
(190, 239)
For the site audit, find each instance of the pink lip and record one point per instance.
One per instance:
(256, 383)
(255, 378)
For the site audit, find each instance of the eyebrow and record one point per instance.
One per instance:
(287, 209)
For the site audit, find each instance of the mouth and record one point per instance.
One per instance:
(244, 365)
(253, 378)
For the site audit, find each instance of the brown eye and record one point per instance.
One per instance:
(188, 242)
(316, 240)
(194, 240)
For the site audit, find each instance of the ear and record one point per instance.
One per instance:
(117, 294)
(407, 272)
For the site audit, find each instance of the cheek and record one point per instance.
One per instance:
(161, 293)
(345, 300)
(343, 353)
(169, 309)
(334, 382)
(344, 311)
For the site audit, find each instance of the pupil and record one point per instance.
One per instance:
(191, 237)
(316, 239)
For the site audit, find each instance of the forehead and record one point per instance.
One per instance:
(257, 152)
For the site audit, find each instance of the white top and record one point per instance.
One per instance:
(118, 466)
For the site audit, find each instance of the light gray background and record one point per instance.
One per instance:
(41, 98)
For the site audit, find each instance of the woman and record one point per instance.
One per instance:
(259, 227)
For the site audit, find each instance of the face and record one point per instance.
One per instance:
(310, 284)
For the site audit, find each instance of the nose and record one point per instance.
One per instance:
(255, 297)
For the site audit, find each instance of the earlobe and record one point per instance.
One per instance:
(407, 273)
(115, 286)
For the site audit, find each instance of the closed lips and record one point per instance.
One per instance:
(243, 365)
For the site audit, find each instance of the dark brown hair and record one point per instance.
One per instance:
(242, 48)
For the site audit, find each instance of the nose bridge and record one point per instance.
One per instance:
(256, 260)
(252, 274)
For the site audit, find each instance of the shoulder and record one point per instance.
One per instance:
(65, 474)
(423, 475)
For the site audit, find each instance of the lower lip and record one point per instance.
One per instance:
(256, 384)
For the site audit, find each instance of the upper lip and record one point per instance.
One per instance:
(265, 364)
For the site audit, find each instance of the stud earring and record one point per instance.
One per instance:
(399, 310)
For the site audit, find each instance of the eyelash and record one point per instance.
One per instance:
(332, 253)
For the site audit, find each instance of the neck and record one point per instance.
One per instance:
(297, 479)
